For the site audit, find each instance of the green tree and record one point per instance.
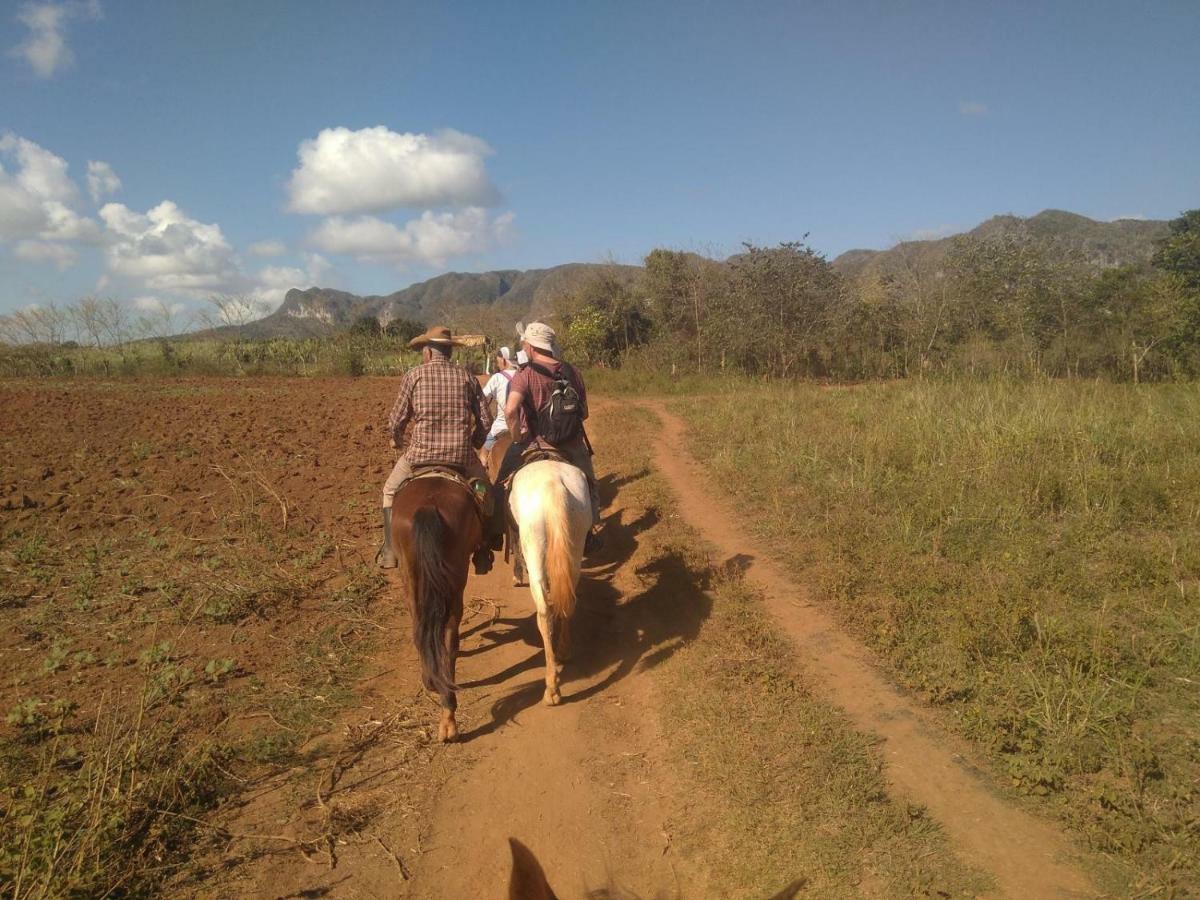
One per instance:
(366, 326)
(403, 329)
(1178, 257)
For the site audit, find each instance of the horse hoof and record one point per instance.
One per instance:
(448, 732)
(552, 698)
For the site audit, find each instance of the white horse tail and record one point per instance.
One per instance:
(559, 569)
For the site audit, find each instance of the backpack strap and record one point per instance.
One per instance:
(542, 370)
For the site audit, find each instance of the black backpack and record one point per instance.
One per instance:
(561, 418)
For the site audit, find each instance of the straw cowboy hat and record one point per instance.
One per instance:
(438, 334)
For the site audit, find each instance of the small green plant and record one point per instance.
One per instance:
(216, 669)
(31, 551)
(36, 718)
(56, 659)
(155, 654)
(27, 712)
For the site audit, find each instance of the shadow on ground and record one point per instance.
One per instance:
(613, 635)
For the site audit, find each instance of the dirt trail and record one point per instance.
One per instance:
(577, 783)
(1027, 856)
(582, 784)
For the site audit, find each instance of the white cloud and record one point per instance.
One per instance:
(58, 255)
(40, 172)
(166, 250)
(1137, 217)
(972, 108)
(376, 169)
(37, 200)
(45, 48)
(433, 238)
(102, 181)
(273, 282)
(267, 248)
(158, 306)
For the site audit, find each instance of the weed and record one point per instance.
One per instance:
(216, 669)
(56, 659)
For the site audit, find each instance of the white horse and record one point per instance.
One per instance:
(551, 506)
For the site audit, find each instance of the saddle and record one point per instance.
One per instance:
(483, 498)
(532, 455)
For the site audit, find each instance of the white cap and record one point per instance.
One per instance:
(505, 353)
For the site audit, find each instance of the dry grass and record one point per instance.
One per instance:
(1025, 555)
(776, 784)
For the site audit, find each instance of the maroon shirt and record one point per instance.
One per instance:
(535, 390)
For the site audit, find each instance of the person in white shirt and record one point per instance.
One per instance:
(497, 389)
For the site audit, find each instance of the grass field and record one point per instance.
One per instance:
(775, 784)
(1024, 555)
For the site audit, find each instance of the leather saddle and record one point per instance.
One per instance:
(483, 499)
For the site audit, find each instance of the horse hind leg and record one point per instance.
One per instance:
(448, 726)
(552, 696)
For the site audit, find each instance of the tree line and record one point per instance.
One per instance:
(1007, 303)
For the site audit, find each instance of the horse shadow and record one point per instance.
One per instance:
(615, 633)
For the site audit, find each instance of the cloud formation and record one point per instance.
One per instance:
(60, 256)
(273, 282)
(432, 238)
(972, 108)
(102, 181)
(166, 250)
(45, 48)
(375, 169)
(38, 199)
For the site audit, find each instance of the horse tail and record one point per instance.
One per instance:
(432, 587)
(559, 571)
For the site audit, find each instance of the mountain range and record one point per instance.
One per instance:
(517, 294)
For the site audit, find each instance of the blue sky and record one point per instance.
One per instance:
(265, 145)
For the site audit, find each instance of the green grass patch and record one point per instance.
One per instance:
(1024, 554)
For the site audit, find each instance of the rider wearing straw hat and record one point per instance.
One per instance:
(441, 407)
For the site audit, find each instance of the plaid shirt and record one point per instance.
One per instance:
(442, 407)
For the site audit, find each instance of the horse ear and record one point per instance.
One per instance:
(527, 881)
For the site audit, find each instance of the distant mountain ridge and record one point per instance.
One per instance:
(318, 311)
(523, 294)
(1105, 244)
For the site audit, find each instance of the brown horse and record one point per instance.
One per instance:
(436, 526)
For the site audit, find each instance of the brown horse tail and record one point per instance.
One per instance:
(560, 593)
(432, 587)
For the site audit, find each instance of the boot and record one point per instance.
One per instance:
(385, 557)
(483, 560)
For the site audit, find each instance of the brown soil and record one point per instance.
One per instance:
(1026, 856)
